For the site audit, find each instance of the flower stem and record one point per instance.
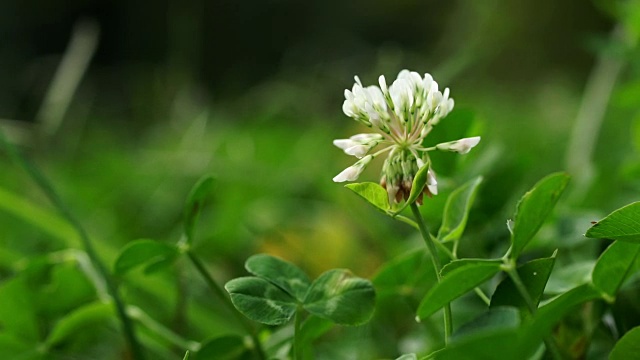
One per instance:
(549, 341)
(437, 266)
(46, 187)
(213, 285)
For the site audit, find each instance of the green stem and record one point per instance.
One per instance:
(549, 341)
(138, 314)
(433, 252)
(297, 340)
(213, 285)
(44, 184)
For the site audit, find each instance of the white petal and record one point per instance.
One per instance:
(344, 143)
(358, 151)
(432, 183)
(349, 174)
(461, 146)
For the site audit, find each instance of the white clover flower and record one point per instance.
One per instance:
(402, 114)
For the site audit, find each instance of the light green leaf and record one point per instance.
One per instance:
(261, 301)
(613, 267)
(153, 254)
(419, 182)
(622, 224)
(281, 273)
(456, 210)
(455, 284)
(534, 276)
(227, 347)
(341, 297)
(80, 320)
(499, 317)
(628, 347)
(186, 356)
(375, 194)
(533, 209)
(194, 204)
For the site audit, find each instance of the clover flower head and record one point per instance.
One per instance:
(402, 115)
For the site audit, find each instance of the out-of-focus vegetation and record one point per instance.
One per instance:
(124, 106)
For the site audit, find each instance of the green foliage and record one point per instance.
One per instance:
(456, 210)
(373, 193)
(150, 253)
(419, 182)
(195, 202)
(281, 289)
(621, 225)
(628, 348)
(614, 266)
(495, 319)
(227, 347)
(280, 273)
(467, 275)
(533, 209)
(339, 296)
(534, 275)
(261, 301)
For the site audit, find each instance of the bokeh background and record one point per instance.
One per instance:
(125, 104)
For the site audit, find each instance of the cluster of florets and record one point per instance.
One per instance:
(402, 114)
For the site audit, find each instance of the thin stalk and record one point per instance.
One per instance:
(46, 187)
(213, 285)
(297, 336)
(549, 341)
(431, 247)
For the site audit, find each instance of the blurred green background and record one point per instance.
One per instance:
(125, 104)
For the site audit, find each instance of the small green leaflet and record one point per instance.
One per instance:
(622, 224)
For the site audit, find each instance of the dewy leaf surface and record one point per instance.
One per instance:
(281, 273)
(456, 283)
(375, 194)
(341, 297)
(261, 301)
(613, 266)
(533, 209)
(622, 224)
(456, 210)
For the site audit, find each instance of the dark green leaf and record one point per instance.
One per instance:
(627, 348)
(534, 276)
(533, 209)
(281, 273)
(194, 204)
(419, 182)
(261, 301)
(375, 194)
(227, 347)
(455, 284)
(13, 347)
(456, 210)
(499, 317)
(82, 319)
(339, 296)
(153, 254)
(613, 267)
(622, 224)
